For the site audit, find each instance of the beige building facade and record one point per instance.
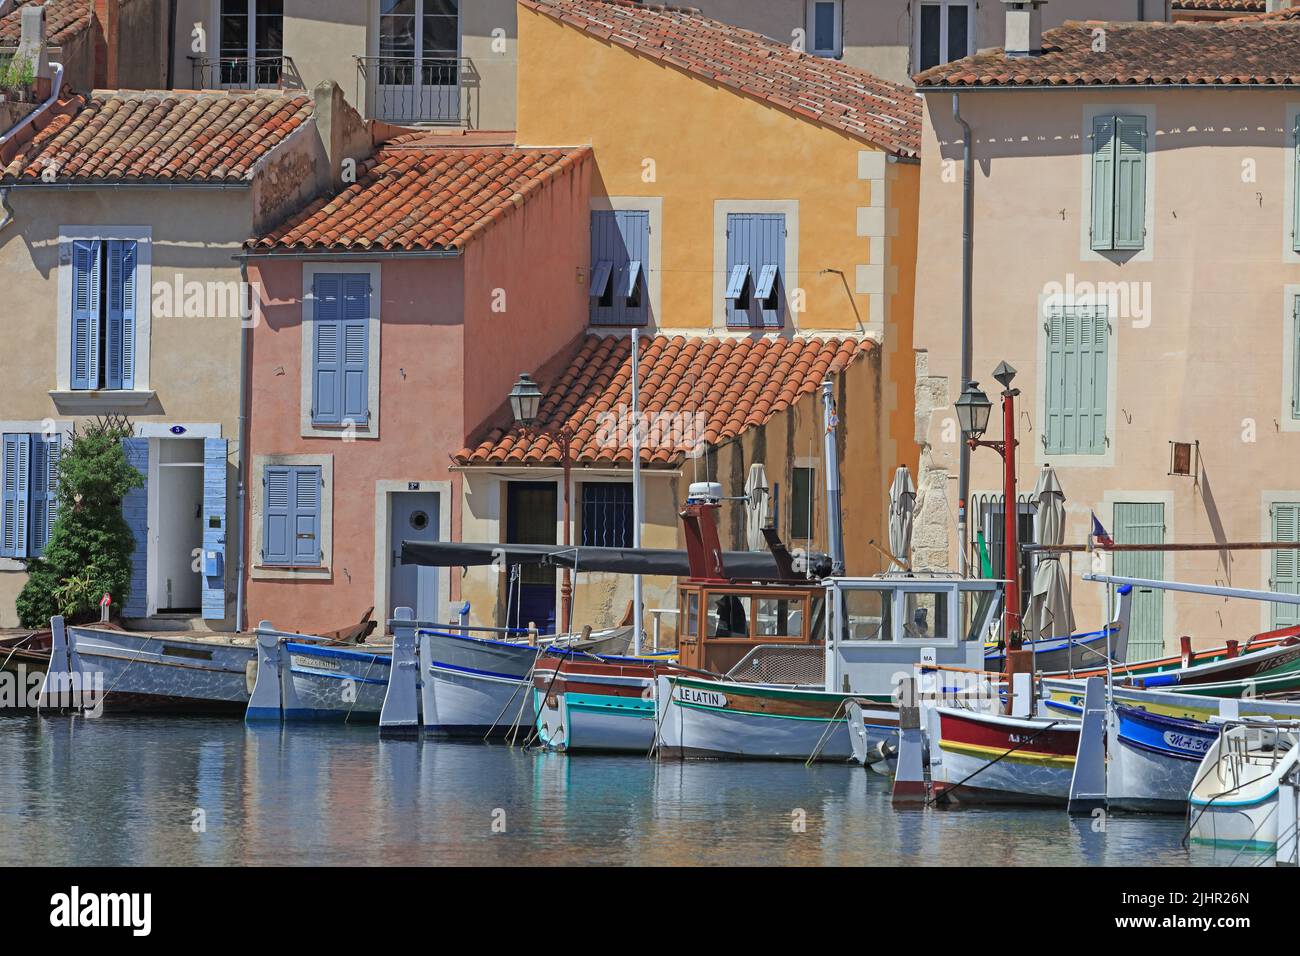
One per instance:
(1150, 299)
(423, 61)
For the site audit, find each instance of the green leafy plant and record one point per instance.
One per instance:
(90, 544)
(19, 73)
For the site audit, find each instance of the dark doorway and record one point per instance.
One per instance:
(531, 519)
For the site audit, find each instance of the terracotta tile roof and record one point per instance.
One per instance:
(691, 389)
(416, 193)
(817, 89)
(64, 19)
(1243, 51)
(1245, 6)
(157, 136)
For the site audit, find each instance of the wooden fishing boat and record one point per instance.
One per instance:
(993, 758)
(1234, 796)
(597, 705)
(1280, 659)
(1077, 652)
(1152, 759)
(475, 686)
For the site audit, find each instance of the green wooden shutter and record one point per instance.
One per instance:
(1075, 384)
(1103, 182)
(1286, 564)
(1295, 190)
(1295, 358)
(1142, 522)
(1130, 182)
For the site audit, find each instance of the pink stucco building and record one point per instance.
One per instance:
(395, 317)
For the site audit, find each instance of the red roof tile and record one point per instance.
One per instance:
(64, 19)
(113, 137)
(1246, 6)
(692, 390)
(819, 89)
(418, 194)
(1244, 51)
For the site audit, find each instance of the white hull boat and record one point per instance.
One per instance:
(1234, 797)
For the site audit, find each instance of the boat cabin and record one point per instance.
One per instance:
(721, 622)
(886, 624)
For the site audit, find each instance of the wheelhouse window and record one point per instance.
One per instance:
(251, 42)
(779, 616)
(925, 615)
(729, 615)
(867, 615)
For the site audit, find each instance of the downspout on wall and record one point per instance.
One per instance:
(967, 330)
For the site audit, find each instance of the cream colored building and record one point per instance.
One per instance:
(1136, 256)
(123, 299)
(897, 38)
(418, 61)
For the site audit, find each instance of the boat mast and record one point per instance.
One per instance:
(638, 597)
(834, 521)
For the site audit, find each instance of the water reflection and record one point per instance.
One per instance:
(121, 790)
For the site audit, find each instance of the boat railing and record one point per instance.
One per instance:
(781, 664)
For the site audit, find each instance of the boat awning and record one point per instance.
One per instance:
(740, 565)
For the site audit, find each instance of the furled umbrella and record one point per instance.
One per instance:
(902, 499)
(756, 501)
(1050, 600)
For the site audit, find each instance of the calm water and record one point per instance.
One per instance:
(123, 790)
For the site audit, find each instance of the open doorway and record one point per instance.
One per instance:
(531, 519)
(177, 584)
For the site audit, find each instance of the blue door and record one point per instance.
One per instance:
(414, 518)
(530, 519)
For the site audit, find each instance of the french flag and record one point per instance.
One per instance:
(1100, 535)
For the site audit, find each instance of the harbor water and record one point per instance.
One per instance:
(177, 791)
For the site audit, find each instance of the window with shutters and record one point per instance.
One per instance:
(607, 514)
(341, 349)
(756, 270)
(29, 480)
(1286, 564)
(105, 325)
(1119, 182)
(1295, 358)
(620, 248)
(1075, 400)
(291, 516)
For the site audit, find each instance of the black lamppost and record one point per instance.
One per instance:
(525, 402)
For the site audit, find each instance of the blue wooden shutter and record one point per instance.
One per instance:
(354, 377)
(277, 515)
(1286, 564)
(755, 265)
(1130, 182)
(769, 266)
(213, 562)
(119, 339)
(608, 258)
(45, 490)
(633, 247)
(306, 502)
(135, 509)
(85, 313)
(740, 230)
(327, 332)
(1103, 182)
(15, 458)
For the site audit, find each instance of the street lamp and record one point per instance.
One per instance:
(525, 403)
(973, 409)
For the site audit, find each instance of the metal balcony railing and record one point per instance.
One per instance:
(243, 72)
(434, 89)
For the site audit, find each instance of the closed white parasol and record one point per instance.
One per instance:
(902, 500)
(757, 496)
(1050, 601)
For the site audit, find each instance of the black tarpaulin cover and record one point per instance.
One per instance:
(758, 565)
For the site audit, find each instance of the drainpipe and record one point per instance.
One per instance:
(241, 471)
(967, 245)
